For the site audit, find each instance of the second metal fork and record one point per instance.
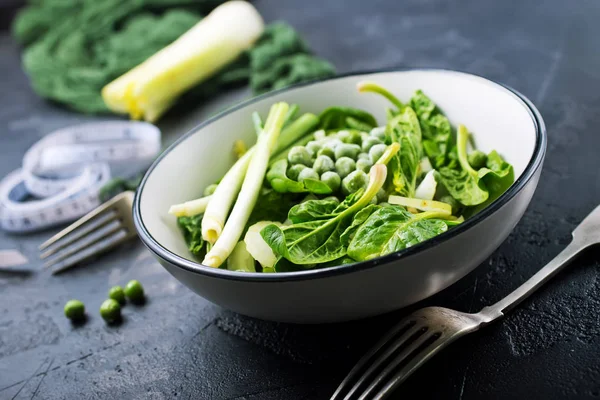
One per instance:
(100, 230)
(425, 332)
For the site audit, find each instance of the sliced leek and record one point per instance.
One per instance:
(148, 90)
(253, 180)
(420, 204)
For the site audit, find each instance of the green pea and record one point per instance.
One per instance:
(326, 151)
(373, 200)
(331, 143)
(477, 159)
(354, 181)
(376, 152)
(295, 170)
(369, 142)
(210, 189)
(344, 136)
(134, 291)
(74, 310)
(355, 138)
(323, 164)
(385, 204)
(347, 150)
(332, 180)
(110, 310)
(344, 166)
(308, 173)
(364, 156)
(299, 155)
(313, 147)
(117, 293)
(378, 132)
(364, 165)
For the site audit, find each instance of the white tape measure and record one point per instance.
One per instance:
(63, 173)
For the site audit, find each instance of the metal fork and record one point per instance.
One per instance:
(103, 228)
(422, 334)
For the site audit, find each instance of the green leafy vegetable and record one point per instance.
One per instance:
(318, 241)
(497, 177)
(464, 185)
(191, 227)
(405, 130)
(391, 229)
(313, 209)
(358, 220)
(346, 118)
(436, 129)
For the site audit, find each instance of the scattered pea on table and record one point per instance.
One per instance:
(117, 293)
(74, 310)
(110, 310)
(134, 291)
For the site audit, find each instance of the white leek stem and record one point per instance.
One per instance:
(223, 197)
(246, 200)
(190, 208)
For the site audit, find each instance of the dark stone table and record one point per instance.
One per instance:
(180, 346)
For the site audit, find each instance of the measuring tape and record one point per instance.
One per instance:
(62, 174)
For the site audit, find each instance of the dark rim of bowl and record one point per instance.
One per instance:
(178, 261)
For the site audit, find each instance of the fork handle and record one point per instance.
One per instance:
(535, 282)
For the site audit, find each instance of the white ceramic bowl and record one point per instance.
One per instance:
(499, 118)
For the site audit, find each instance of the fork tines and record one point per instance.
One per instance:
(100, 230)
(389, 362)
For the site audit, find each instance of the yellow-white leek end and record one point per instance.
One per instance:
(223, 197)
(253, 180)
(257, 247)
(423, 205)
(148, 90)
(190, 208)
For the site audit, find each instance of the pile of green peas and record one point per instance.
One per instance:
(341, 160)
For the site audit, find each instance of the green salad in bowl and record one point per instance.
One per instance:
(337, 188)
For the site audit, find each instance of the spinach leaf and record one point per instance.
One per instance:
(191, 227)
(313, 209)
(318, 241)
(476, 188)
(498, 176)
(465, 184)
(436, 129)
(462, 186)
(346, 118)
(404, 129)
(390, 229)
(359, 219)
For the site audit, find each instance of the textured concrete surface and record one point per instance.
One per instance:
(180, 346)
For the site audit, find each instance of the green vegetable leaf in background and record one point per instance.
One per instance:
(346, 118)
(405, 130)
(435, 127)
(191, 227)
(391, 229)
(73, 49)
